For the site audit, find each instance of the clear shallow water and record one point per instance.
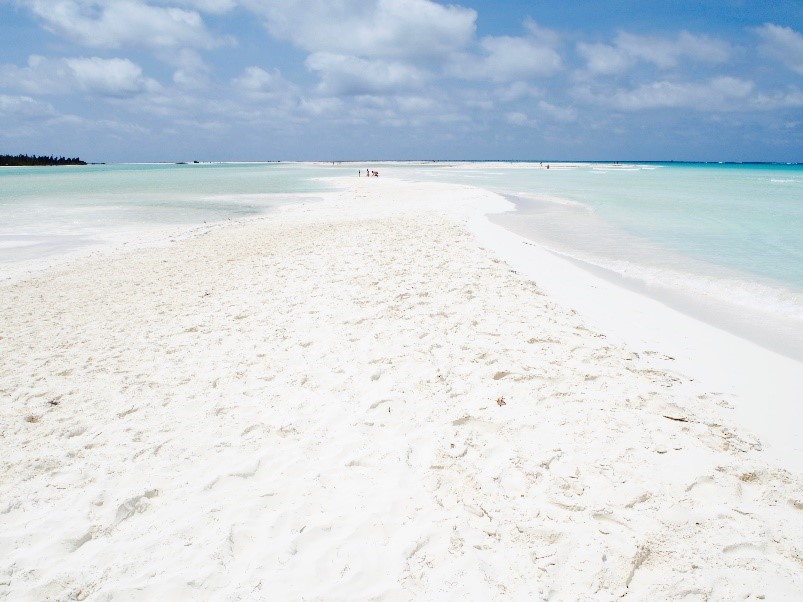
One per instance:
(721, 242)
(53, 211)
(745, 217)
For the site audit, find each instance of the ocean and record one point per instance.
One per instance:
(52, 212)
(722, 242)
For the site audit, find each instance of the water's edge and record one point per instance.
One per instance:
(777, 334)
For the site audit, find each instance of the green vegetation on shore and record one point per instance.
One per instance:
(25, 160)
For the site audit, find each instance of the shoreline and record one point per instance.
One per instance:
(95, 247)
(744, 320)
(750, 372)
(369, 398)
(692, 337)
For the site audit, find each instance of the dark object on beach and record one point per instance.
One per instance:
(501, 402)
(25, 161)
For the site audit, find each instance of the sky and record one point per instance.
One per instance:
(229, 80)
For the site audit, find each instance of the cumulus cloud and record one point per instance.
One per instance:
(107, 77)
(359, 48)
(558, 113)
(416, 104)
(350, 75)
(665, 53)
(256, 80)
(117, 78)
(511, 58)
(369, 28)
(24, 107)
(411, 63)
(191, 70)
(517, 118)
(207, 6)
(392, 111)
(317, 107)
(41, 76)
(517, 91)
(603, 59)
(267, 88)
(787, 99)
(545, 112)
(717, 94)
(104, 24)
(784, 44)
(544, 35)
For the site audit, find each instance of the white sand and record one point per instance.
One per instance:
(305, 407)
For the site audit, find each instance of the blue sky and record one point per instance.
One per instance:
(211, 80)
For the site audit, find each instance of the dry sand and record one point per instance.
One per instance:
(354, 400)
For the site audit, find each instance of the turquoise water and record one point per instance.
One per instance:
(52, 211)
(723, 243)
(148, 193)
(745, 217)
(748, 218)
(727, 237)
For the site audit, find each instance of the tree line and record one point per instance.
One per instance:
(29, 160)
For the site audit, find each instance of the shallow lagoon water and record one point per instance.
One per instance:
(721, 242)
(54, 211)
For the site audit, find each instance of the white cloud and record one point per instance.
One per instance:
(393, 111)
(256, 80)
(41, 76)
(565, 114)
(118, 78)
(482, 104)
(779, 100)
(416, 104)
(369, 28)
(267, 90)
(517, 91)
(24, 107)
(545, 36)
(511, 58)
(784, 44)
(416, 64)
(664, 53)
(208, 6)
(322, 106)
(545, 112)
(113, 24)
(603, 59)
(191, 71)
(718, 94)
(107, 77)
(350, 75)
(517, 118)
(362, 48)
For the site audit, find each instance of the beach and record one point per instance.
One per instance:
(384, 396)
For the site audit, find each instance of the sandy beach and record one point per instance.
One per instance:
(380, 397)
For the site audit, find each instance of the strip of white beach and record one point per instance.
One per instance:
(383, 396)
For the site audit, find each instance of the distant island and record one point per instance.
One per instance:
(25, 160)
